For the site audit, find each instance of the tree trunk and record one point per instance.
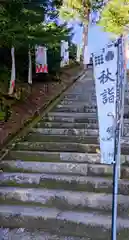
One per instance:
(85, 41)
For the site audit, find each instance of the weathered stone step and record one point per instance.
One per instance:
(56, 146)
(58, 115)
(66, 182)
(52, 219)
(71, 132)
(32, 137)
(81, 102)
(67, 132)
(78, 90)
(83, 88)
(80, 109)
(44, 167)
(82, 169)
(91, 99)
(65, 147)
(77, 103)
(75, 127)
(64, 200)
(72, 117)
(67, 103)
(68, 125)
(74, 94)
(59, 156)
(29, 234)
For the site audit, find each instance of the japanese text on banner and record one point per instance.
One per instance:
(105, 73)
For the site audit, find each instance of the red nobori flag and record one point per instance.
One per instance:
(41, 59)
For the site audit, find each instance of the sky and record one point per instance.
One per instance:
(97, 38)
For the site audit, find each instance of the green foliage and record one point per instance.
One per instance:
(115, 16)
(78, 9)
(54, 59)
(22, 25)
(72, 51)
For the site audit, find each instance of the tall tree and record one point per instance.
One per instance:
(80, 10)
(22, 24)
(115, 17)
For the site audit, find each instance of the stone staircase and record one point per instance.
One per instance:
(53, 186)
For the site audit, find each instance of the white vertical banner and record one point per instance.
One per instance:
(30, 67)
(13, 72)
(86, 59)
(78, 56)
(64, 53)
(105, 73)
(41, 59)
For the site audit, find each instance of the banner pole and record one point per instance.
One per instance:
(115, 166)
(114, 198)
(117, 136)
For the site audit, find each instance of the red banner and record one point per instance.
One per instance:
(41, 69)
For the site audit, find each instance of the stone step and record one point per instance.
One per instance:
(87, 98)
(80, 108)
(81, 169)
(81, 102)
(44, 167)
(76, 120)
(78, 90)
(83, 90)
(52, 219)
(67, 125)
(29, 234)
(66, 146)
(75, 109)
(66, 182)
(66, 132)
(32, 137)
(58, 115)
(71, 132)
(78, 126)
(64, 200)
(72, 117)
(81, 98)
(59, 157)
(77, 103)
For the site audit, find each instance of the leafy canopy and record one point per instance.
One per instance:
(115, 16)
(23, 24)
(78, 9)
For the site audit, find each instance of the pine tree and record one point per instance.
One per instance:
(22, 25)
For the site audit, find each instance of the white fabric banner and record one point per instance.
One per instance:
(86, 59)
(78, 57)
(13, 72)
(64, 53)
(30, 68)
(105, 73)
(41, 59)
